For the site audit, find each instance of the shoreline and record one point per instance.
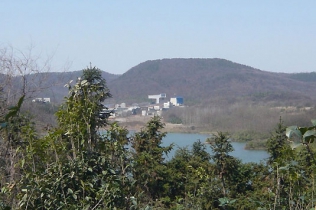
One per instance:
(136, 123)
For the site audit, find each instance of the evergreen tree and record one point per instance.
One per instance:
(86, 170)
(80, 116)
(149, 169)
(225, 163)
(278, 146)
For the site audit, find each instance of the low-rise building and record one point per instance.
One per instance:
(157, 97)
(43, 100)
(177, 101)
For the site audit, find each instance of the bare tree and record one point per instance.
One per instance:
(23, 73)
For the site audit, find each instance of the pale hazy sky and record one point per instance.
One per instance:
(271, 35)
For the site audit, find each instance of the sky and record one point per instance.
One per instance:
(271, 35)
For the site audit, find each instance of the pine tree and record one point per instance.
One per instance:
(148, 156)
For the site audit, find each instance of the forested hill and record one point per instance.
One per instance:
(55, 81)
(209, 80)
(306, 77)
(51, 84)
(197, 80)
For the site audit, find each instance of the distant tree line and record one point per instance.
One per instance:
(245, 122)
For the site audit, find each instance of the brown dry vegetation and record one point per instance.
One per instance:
(211, 82)
(251, 123)
(235, 118)
(136, 122)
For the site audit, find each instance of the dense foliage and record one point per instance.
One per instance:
(85, 162)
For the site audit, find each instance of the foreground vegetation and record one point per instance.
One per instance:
(75, 166)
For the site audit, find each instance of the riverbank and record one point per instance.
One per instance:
(136, 123)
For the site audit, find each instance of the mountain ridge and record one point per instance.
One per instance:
(196, 79)
(201, 81)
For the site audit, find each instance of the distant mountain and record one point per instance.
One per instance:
(57, 81)
(209, 80)
(198, 81)
(50, 84)
(305, 77)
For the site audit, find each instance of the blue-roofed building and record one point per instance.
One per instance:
(177, 101)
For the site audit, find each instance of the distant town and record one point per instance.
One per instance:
(158, 104)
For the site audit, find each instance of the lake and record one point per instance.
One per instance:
(187, 139)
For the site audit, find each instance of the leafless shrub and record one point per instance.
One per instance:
(23, 73)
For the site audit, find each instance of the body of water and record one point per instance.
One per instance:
(187, 140)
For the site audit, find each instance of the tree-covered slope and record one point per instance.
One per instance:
(306, 76)
(46, 84)
(197, 80)
(202, 80)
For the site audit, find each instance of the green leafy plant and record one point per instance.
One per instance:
(149, 169)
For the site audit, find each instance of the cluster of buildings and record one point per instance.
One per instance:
(156, 107)
(41, 100)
